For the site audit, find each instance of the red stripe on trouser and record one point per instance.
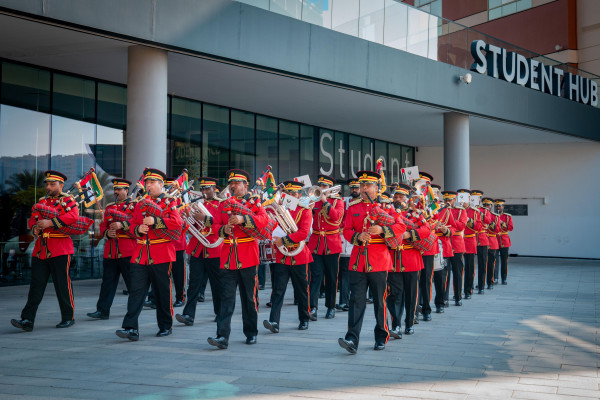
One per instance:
(171, 290)
(255, 294)
(69, 284)
(430, 286)
(385, 325)
(307, 288)
(416, 301)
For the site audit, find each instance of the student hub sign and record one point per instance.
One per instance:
(515, 68)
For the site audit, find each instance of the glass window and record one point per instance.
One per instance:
(523, 5)
(185, 137)
(381, 151)
(291, 8)
(326, 152)
(309, 161)
(340, 172)
(112, 105)
(396, 25)
(25, 87)
(74, 97)
(71, 147)
(367, 154)
(242, 140)
(317, 12)
(24, 156)
(356, 154)
(371, 20)
(418, 32)
(289, 159)
(266, 145)
(408, 157)
(435, 28)
(264, 4)
(108, 150)
(345, 15)
(215, 142)
(395, 162)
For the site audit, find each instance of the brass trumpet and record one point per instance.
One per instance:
(313, 194)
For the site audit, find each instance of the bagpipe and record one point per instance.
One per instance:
(249, 206)
(415, 220)
(157, 210)
(79, 227)
(378, 216)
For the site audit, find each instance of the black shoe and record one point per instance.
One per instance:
(446, 303)
(66, 324)
(458, 303)
(178, 303)
(125, 292)
(416, 321)
(504, 283)
(396, 333)
(251, 340)
(322, 295)
(480, 291)
(427, 317)
(346, 307)
(379, 346)
(419, 309)
(269, 304)
(409, 331)
(303, 326)
(97, 315)
(439, 310)
(339, 307)
(218, 341)
(200, 299)
(150, 304)
(349, 345)
(295, 302)
(467, 296)
(369, 300)
(272, 326)
(184, 319)
(330, 314)
(131, 334)
(24, 324)
(313, 314)
(495, 281)
(489, 287)
(215, 320)
(164, 332)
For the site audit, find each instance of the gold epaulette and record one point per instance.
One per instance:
(458, 207)
(109, 204)
(357, 201)
(335, 196)
(507, 214)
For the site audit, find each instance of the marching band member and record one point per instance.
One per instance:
(474, 224)
(492, 230)
(459, 215)
(241, 218)
(51, 254)
(157, 225)
(443, 222)
(119, 245)
(204, 261)
(426, 275)
(178, 272)
(506, 225)
(294, 267)
(482, 243)
(326, 246)
(370, 260)
(345, 254)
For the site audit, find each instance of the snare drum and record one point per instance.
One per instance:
(266, 249)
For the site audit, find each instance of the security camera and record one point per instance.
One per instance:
(467, 78)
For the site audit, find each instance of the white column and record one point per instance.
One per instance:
(457, 172)
(146, 136)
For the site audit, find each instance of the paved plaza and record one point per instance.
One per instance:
(537, 338)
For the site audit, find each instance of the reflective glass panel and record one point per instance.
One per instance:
(317, 12)
(326, 151)
(356, 154)
(264, 4)
(367, 154)
(309, 161)
(371, 20)
(112, 105)
(25, 87)
(345, 15)
(108, 150)
(381, 151)
(289, 160)
(291, 8)
(266, 145)
(395, 162)
(185, 137)
(396, 24)
(418, 32)
(71, 147)
(341, 156)
(215, 142)
(408, 157)
(74, 97)
(242, 140)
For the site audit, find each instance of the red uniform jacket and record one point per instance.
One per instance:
(180, 244)
(241, 250)
(506, 225)
(373, 256)
(482, 237)
(446, 218)
(152, 248)
(327, 218)
(303, 218)
(473, 225)
(460, 222)
(211, 232)
(492, 230)
(55, 242)
(410, 259)
(125, 241)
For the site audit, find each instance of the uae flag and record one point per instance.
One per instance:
(89, 189)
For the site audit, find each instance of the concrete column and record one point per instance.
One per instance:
(457, 165)
(146, 136)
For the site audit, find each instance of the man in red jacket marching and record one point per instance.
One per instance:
(492, 231)
(483, 242)
(156, 224)
(506, 225)
(51, 254)
(118, 248)
(294, 267)
(474, 225)
(459, 215)
(370, 261)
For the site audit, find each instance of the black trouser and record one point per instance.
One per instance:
(497, 269)
(179, 276)
(482, 252)
(113, 268)
(202, 269)
(439, 281)
(359, 283)
(281, 275)
(504, 263)
(324, 266)
(469, 272)
(448, 269)
(247, 280)
(41, 270)
(344, 282)
(491, 266)
(457, 275)
(404, 289)
(141, 277)
(425, 280)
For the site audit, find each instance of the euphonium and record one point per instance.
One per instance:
(287, 223)
(195, 208)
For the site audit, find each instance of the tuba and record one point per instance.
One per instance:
(196, 227)
(286, 222)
